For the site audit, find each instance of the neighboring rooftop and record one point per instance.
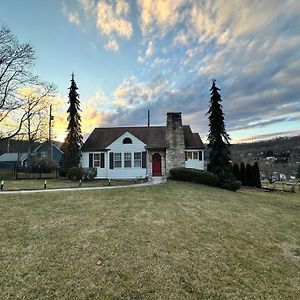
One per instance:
(13, 157)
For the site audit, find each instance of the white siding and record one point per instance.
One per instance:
(85, 159)
(118, 147)
(101, 172)
(195, 163)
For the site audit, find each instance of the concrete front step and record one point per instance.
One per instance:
(158, 179)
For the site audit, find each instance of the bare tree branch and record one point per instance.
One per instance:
(16, 62)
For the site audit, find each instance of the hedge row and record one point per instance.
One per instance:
(202, 177)
(194, 175)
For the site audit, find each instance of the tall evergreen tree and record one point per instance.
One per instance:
(236, 171)
(298, 173)
(256, 175)
(243, 173)
(219, 157)
(73, 141)
(249, 176)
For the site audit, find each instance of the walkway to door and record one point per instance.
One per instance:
(157, 180)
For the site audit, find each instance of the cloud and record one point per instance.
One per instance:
(95, 111)
(162, 14)
(133, 94)
(219, 21)
(99, 101)
(251, 48)
(87, 5)
(267, 136)
(262, 123)
(159, 62)
(112, 19)
(72, 16)
(140, 60)
(149, 50)
(181, 38)
(112, 45)
(59, 111)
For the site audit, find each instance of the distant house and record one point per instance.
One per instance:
(129, 152)
(13, 160)
(48, 151)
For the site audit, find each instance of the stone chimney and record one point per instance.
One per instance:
(175, 153)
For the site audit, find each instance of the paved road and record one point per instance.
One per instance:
(83, 188)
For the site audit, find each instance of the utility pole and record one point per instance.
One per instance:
(51, 118)
(148, 118)
(50, 122)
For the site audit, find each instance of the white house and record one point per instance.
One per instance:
(130, 152)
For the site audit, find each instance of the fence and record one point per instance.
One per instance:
(27, 173)
(281, 186)
(39, 173)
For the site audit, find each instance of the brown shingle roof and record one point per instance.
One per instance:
(153, 137)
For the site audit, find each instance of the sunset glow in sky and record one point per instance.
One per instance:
(131, 56)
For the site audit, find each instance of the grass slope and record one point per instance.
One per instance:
(172, 241)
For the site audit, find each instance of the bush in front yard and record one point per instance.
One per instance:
(232, 186)
(194, 175)
(62, 172)
(89, 173)
(75, 173)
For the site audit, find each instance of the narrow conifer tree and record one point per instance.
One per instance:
(243, 173)
(298, 173)
(219, 157)
(249, 177)
(236, 171)
(73, 141)
(256, 175)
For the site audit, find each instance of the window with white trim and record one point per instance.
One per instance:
(196, 155)
(137, 159)
(127, 160)
(193, 155)
(96, 159)
(118, 160)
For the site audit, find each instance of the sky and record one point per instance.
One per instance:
(130, 56)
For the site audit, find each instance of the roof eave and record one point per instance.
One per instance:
(197, 147)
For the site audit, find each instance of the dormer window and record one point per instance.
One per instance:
(127, 141)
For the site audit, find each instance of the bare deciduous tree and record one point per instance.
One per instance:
(16, 62)
(36, 102)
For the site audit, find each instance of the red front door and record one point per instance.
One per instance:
(156, 164)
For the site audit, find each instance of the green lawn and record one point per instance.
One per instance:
(37, 184)
(170, 241)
